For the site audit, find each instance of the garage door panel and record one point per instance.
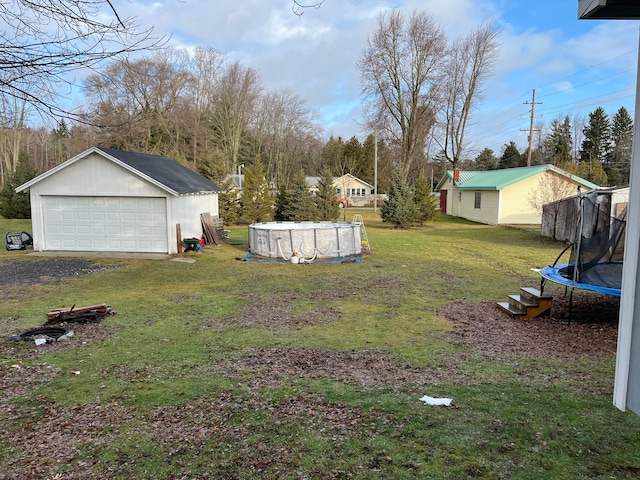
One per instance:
(105, 224)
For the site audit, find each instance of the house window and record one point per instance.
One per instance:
(478, 200)
(338, 190)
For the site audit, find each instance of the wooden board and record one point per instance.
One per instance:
(211, 233)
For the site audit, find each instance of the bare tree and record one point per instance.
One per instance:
(135, 103)
(235, 100)
(401, 69)
(284, 126)
(470, 61)
(13, 112)
(206, 67)
(299, 7)
(577, 124)
(44, 42)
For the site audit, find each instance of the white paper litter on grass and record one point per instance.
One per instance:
(436, 401)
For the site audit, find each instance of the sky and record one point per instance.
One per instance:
(574, 65)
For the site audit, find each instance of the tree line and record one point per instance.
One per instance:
(597, 149)
(215, 116)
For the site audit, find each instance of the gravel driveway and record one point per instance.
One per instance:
(21, 271)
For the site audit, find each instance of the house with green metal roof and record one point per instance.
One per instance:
(510, 196)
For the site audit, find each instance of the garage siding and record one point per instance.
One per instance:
(125, 224)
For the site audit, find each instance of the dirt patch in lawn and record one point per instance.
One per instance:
(591, 330)
(272, 367)
(270, 312)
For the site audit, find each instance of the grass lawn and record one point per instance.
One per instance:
(234, 370)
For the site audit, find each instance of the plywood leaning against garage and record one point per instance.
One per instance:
(213, 228)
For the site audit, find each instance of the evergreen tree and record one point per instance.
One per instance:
(301, 202)
(353, 158)
(511, 157)
(12, 204)
(427, 204)
(60, 142)
(399, 208)
(327, 199)
(620, 155)
(213, 167)
(366, 171)
(257, 204)
(593, 171)
(332, 153)
(228, 203)
(596, 145)
(558, 143)
(282, 204)
(486, 160)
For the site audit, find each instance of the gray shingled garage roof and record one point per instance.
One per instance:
(165, 171)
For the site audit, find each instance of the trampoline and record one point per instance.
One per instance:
(602, 278)
(597, 252)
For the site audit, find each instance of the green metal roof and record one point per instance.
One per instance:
(500, 179)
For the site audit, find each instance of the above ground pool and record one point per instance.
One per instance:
(306, 240)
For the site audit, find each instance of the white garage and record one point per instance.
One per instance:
(109, 200)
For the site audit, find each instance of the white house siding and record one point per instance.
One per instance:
(96, 176)
(516, 207)
(189, 207)
(489, 204)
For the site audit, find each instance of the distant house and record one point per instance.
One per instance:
(355, 191)
(496, 197)
(237, 181)
(107, 200)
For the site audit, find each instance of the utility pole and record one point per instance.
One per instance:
(375, 171)
(533, 107)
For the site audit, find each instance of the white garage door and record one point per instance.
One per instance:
(110, 224)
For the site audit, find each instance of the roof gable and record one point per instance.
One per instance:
(159, 170)
(347, 177)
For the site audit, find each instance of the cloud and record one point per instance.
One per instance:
(563, 86)
(316, 54)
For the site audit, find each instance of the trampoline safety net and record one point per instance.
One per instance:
(597, 253)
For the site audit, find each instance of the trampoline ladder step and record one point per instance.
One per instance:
(510, 310)
(529, 304)
(533, 294)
